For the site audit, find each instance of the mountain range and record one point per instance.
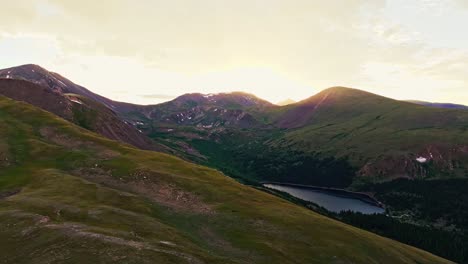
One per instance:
(370, 138)
(60, 177)
(439, 105)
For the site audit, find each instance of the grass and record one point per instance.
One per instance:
(366, 128)
(99, 202)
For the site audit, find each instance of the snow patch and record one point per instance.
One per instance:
(61, 82)
(421, 159)
(168, 243)
(76, 101)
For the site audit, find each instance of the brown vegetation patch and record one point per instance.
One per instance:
(75, 230)
(172, 196)
(216, 241)
(65, 140)
(146, 183)
(78, 230)
(61, 139)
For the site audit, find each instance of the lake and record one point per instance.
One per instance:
(328, 199)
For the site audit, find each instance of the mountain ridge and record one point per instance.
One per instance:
(210, 117)
(438, 105)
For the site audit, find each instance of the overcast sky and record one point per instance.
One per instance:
(148, 51)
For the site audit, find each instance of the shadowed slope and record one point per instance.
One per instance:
(53, 81)
(78, 109)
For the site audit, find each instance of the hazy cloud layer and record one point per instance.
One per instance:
(274, 48)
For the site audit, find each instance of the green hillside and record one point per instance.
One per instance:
(67, 195)
(339, 137)
(379, 136)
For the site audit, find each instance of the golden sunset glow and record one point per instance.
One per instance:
(152, 51)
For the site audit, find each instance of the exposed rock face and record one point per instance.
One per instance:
(39, 96)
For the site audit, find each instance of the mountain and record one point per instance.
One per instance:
(370, 137)
(69, 195)
(286, 102)
(439, 105)
(79, 109)
(342, 132)
(381, 137)
(352, 139)
(54, 81)
(211, 110)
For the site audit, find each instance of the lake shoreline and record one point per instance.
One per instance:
(364, 197)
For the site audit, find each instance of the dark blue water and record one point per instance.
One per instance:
(329, 200)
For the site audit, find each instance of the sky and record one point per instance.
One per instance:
(150, 51)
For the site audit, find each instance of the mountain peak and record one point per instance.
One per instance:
(26, 69)
(342, 102)
(234, 99)
(51, 80)
(32, 66)
(340, 93)
(344, 90)
(286, 102)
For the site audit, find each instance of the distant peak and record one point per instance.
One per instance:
(286, 102)
(31, 66)
(345, 91)
(25, 70)
(219, 95)
(233, 98)
(340, 93)
(341, 89)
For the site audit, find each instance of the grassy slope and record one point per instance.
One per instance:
(57, 206)
(365, 127)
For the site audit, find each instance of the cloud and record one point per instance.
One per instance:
(461, 3)
(199, 36)
(300, 43)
